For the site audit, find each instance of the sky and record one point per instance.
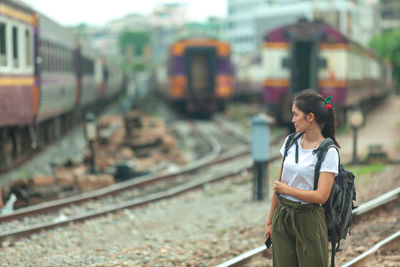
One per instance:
(99, 12)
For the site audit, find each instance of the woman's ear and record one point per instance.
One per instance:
(310, 117)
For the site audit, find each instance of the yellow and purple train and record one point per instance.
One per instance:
(200, 75)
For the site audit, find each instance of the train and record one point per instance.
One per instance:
(249, 78)
(315, 55)
(199, 78)
(49, 77)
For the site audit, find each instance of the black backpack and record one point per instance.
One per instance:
(339, 206)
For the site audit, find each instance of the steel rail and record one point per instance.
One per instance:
(212, 158)
(359, 211)
(189, 186)
(128, 185)
(361, 259)
(206, 161)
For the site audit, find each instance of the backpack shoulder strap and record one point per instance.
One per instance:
(292, 139)
(321, 151)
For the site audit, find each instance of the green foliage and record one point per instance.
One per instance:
(138, 66)
(137, 40)
(387, 45)
(343, 130)
(132, 46)
(369, 169)
(22, 175)
(365, 174)
(81, 29)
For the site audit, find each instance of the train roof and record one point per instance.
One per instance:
(17, 10)
(178, 48)
(51, 30)
(200, 41)
(305, 30)
(18, 5)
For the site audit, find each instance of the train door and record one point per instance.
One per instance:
(200, 62)
(304, 66)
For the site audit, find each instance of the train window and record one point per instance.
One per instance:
(46, 47)
(64, 59)
(48, 55)
(3, 50)
(70, 60)
(15, 54)
(286, 62)
(57, 55)
(43, 54)
(322, 63)
(29, 48)
(52, 57)
(88, 66)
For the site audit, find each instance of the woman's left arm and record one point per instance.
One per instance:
(319, 196)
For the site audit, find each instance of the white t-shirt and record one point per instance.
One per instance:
(301, 175)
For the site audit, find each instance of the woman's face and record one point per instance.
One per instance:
(299, 119)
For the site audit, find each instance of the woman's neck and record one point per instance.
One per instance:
(313, 134)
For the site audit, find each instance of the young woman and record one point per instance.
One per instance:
(296, 221)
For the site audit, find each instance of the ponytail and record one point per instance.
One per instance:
(329, 128)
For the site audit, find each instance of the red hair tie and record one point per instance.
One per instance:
(328, 102)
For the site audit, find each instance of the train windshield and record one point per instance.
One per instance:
(304, 71)
(201, 70)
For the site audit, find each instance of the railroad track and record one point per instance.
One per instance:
(366, 209)
(370, 256)
(129, 194)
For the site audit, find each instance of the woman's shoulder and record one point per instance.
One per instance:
(292, 136)
(332, 152)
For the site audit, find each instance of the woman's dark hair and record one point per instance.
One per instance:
(310, 101)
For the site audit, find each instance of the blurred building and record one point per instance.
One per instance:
(213, 28)
(165, 21)
(168, 15)
(107, 38)
(240, 23)
(130, 22)
(389, 14)
(249, 20)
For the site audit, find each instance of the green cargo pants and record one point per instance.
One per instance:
(299, 235)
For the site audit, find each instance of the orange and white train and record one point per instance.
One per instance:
(48, 77)
(317, 56)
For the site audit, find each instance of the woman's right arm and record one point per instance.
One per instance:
(269, 220)
(272, 208)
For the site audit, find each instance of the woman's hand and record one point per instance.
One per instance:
(281, 188)
(268, 230)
